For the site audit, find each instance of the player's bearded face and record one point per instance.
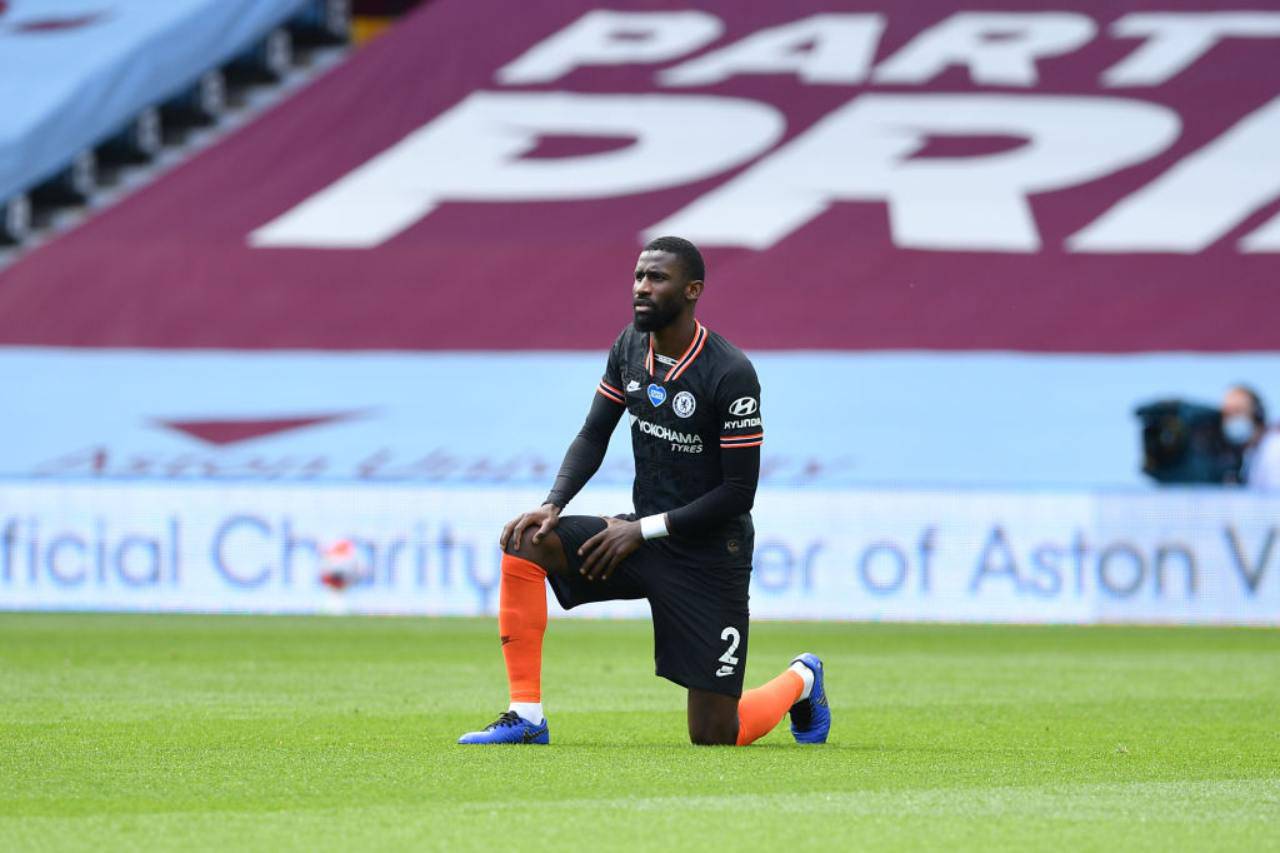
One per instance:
(658, 295)
(652, 315)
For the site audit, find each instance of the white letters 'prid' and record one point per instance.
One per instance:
(473, 153)
(864, 152)
(1201, 198)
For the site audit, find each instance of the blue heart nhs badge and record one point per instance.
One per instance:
(657, 394)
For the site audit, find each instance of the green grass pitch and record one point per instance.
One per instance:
(164, 732)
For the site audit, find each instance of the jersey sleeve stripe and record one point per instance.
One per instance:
(755, 443)
(611, 393)
(742, 437)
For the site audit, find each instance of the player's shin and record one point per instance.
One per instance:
(761, 709)
(522, 621)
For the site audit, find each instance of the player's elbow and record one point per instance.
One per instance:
(744, 497)
(592, 442)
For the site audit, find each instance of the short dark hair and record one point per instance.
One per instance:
(688, 254)
(1259, 408)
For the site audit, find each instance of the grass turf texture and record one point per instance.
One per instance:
(121, 731)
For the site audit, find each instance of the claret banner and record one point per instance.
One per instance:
(936, 175)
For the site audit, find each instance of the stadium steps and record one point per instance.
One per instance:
(164, 136)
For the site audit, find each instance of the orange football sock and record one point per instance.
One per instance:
(761, 709)
(522, 620)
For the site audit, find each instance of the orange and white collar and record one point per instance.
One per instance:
(678, 369)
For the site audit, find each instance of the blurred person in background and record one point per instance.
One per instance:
(1244, 424)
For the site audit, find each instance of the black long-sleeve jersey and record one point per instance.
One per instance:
(696, 432)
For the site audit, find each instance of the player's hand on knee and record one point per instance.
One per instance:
(545, 518)
(551, 518)
(603, 552)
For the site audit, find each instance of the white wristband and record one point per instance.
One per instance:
(654, 526)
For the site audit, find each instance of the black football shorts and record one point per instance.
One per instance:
(700, 616)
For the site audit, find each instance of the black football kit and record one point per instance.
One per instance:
(696, 432)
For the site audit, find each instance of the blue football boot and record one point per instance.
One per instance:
(811, 718)
(510, 728)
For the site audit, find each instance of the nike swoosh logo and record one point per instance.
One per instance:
(505, 640)
(723, 671)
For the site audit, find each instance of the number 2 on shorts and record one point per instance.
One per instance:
(731, 634)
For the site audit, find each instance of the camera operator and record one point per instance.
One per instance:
(1244, 424)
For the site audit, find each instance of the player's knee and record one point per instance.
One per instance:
(713, 718)
(523, 550)
(712, 733)
(527, 549)
(547, 554)
(712, 738)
